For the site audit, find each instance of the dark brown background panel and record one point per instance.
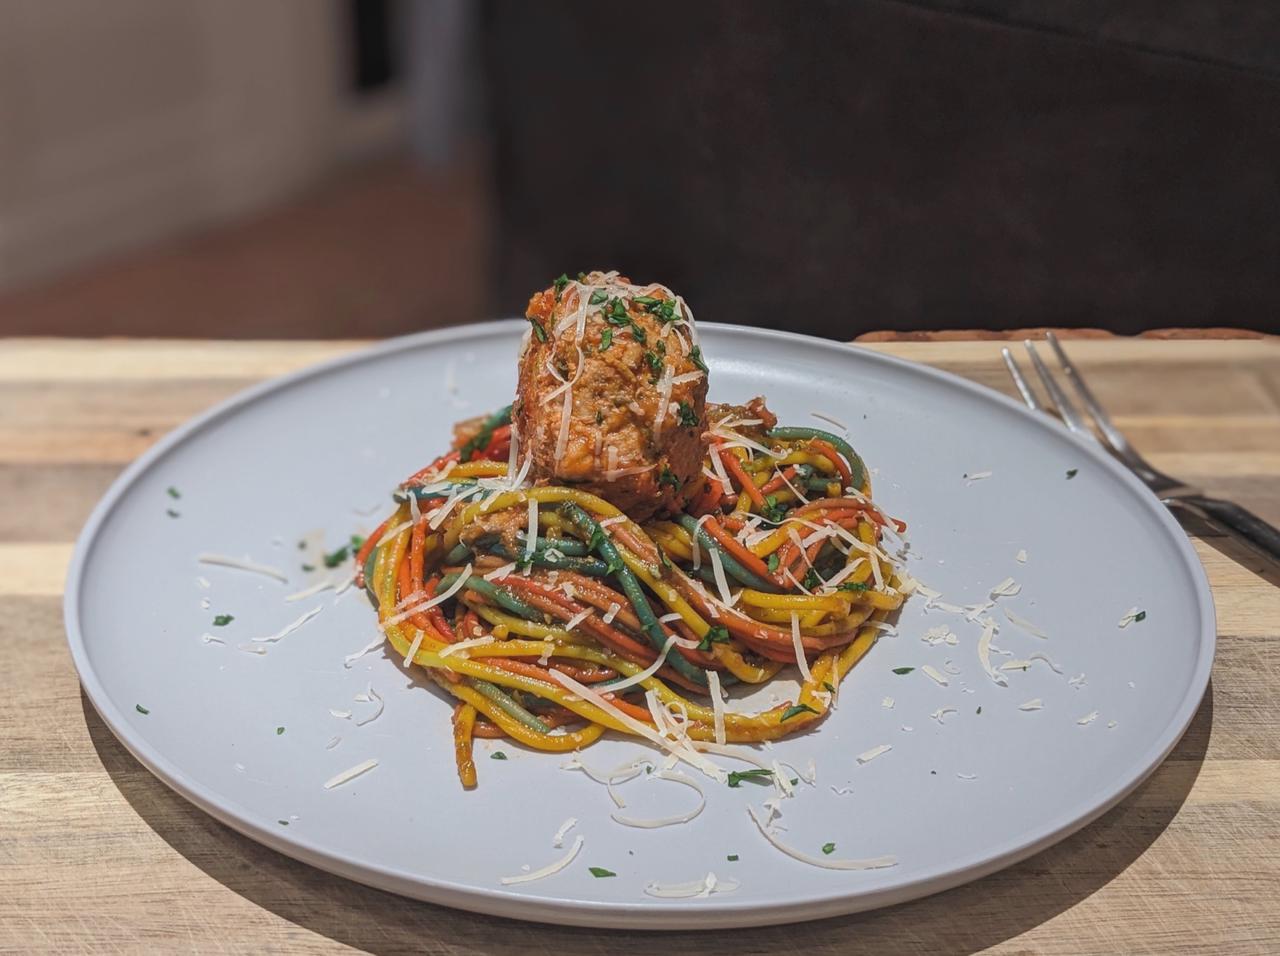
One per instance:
(1239, 33)
(838, 167)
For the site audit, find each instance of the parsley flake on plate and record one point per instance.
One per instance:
(737, 776)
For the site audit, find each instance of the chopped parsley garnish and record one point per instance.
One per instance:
(478, 441)
(171, 513)
(652, 360)
(140, 709)
(560, 283)
(335, 558)
(302, 546)
(599, 872)
(903, 670)
(979, 710)
(599, 417)
(795, 781)
(597, 297)
(829, 686)
(668, 477)
(695, 356)
(737, 776)
(497, 755)
(222, 620)
(615, 313)
(283, 823)
(853, 586)
(308, 568)
(1140, 616)
(664, 309)
(606, 339)
(538, 330)
(732, 858)
(357, 542)
(687, 417)
(715, 635)
(773, 562)
(773, 511)
(813, 580)
(173, 493)
(1072, 472)
(828, 848)
(796, 709)
(279, 731)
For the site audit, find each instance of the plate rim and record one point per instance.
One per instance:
(653, 915)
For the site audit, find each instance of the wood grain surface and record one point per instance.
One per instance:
(96, 855)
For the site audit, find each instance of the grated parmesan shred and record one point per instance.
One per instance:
(870, 755)
(935, 675)
(242, 564)
(290, 627)
(350, 774)
(549, 870)
(717, 705)
(694, 889)
(558, 840)
(1023, 624)
(372, 696)
(680, 749)
(798, 646)
(675, 776)
(826, 863)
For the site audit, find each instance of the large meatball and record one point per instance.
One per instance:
(612, 393)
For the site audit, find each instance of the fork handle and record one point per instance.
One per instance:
(1238, 522)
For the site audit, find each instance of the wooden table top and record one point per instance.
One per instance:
(97, 855)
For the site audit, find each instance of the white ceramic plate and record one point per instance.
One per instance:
(953, 800)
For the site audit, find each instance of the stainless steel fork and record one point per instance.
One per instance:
(1232, 519)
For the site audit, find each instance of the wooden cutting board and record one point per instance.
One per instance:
(96, 855)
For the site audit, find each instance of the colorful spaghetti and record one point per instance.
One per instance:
(552, 617)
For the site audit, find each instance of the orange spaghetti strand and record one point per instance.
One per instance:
(499, 445)
(731, 544)
(434, 466)
(363, 554)
(417, 542)
(735, 469)
(828, 451)
(779, 480)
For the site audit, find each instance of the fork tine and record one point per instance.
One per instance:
(1070, 414)
(1112, 434)
(1023, 386)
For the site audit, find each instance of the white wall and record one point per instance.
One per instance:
(126, 121)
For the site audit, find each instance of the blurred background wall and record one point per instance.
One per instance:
(369, 167)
